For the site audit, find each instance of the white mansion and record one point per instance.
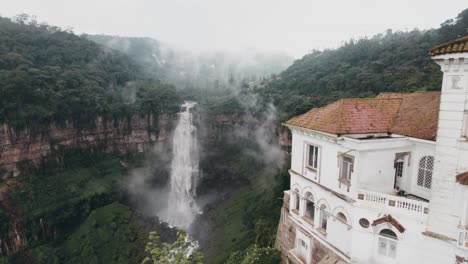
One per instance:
(382, 180)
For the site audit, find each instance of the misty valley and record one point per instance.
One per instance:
(119, 149)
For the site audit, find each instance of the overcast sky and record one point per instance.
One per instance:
(294, 26)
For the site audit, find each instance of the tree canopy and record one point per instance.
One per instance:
(50, 74)
(183, 251)
(387, 62)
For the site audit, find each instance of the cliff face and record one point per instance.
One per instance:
(22, 149)
(26, 149)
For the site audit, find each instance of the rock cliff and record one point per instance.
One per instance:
(22, 149)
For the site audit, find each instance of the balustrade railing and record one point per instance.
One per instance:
(393, 202)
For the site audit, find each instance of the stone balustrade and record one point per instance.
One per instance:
(392, 203)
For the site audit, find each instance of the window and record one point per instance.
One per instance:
(346, 168)
(341, 217)
(398, 173)
(387, 243)
(310, 206)
(399, 169)
(426, 165)
(323, 217)
(312, 157)
(303, 244)
(364, 222)
(297, 198)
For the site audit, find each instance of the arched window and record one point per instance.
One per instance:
(341, 217)
(310, 206)
(297, 200)
(323, 217)
(387, 243)
(426, 165)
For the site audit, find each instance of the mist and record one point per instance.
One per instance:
(212, 71)
(293, 27)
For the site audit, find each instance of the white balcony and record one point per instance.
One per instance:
(392, 203)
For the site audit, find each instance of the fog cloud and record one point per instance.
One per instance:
(294, 26)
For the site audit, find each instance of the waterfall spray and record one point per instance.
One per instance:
(182, 209)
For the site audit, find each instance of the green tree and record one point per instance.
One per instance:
(183, 251)
(255, 255)
(263, 234)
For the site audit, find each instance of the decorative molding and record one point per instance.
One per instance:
(456, 64)
(445, 65)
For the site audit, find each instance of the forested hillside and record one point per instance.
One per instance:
(212, 71)
(387, 62)
(49, 74)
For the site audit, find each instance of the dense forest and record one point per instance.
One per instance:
(220, 81)
(205, 71)
(50, 74)
(387, 62)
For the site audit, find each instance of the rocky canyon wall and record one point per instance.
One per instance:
(22, 149)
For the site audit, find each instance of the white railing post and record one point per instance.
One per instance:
(392, 202)
(463, 238)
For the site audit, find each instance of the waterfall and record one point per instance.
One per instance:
(182, 209)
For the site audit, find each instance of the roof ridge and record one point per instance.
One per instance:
(449, 42)
(459, 45)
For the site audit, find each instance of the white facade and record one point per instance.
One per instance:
(351, 184)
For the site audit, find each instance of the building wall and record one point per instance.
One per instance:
(451, 156)
(353, 243)
(373, 171)
(373, 162)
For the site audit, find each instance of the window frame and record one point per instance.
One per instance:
(297, 199)
(324, 215)
(399, 165)
(350, 168)
(385, 244)
(425, 172)
(341, 217)
(314, 167)
(310, 200)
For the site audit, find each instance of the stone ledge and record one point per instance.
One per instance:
(439, 236)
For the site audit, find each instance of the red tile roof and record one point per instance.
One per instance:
(409, 114)
(456, 46)
(389, 219)
(462, 178)
(418, 115)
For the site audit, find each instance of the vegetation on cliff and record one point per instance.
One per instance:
(246, 219)
(50, 74)
(182, 251)
(110, 234)
(388, 62)
(71, 214)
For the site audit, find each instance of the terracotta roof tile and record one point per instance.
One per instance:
(351, 116)
(456, 46)
(389, 219)
(408, 114)
(418, 115)
(462, 178)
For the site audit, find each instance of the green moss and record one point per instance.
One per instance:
(107, 236)
(44, 193)
(63, 197)
(257, 204)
